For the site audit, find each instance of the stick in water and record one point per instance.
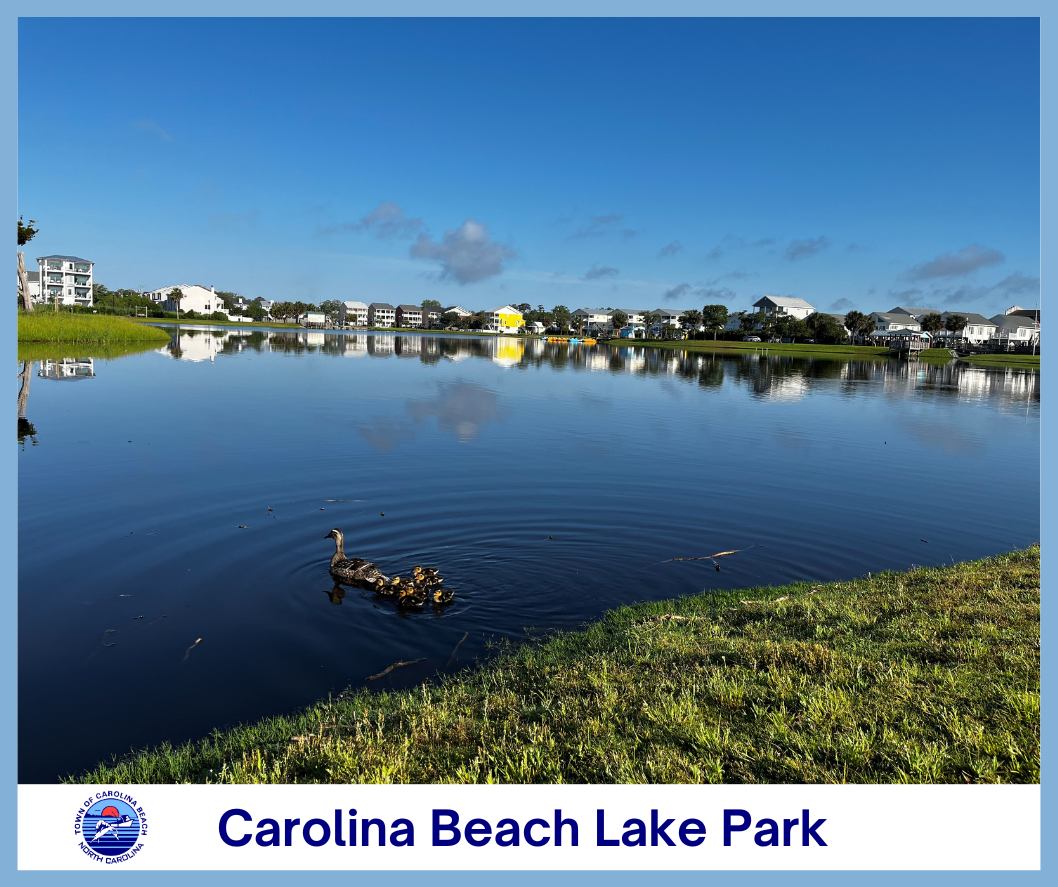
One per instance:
(466, 634)
(709, 557)
(192, 647)
(375, 677)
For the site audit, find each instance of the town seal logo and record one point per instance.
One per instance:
(110, 827)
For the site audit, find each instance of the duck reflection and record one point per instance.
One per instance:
(336, 594)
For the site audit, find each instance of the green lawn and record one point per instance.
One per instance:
(1027, 361)
(84, 329)
(929, 676)
(845, 351)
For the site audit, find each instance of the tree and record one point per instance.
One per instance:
(25, 234)
(256, 312)
(789, 327)
(330, 308)
(298, 309)
(431, 303)
(955, 324)
(858, 323)
(618, 319)
(176, 294)
(692, 318)
(825, 328)
(524, 307)
(715, 318)
(227, 298)
(648, 321)
(932, 323)
(561, 315)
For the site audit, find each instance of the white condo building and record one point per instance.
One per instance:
(196, 298)
(352, 313)
(66, 277)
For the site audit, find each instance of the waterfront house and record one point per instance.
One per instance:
(784, 306)
(196, 298)
(911, 311)
(1014, 330)
(891, 321)
(352, 314)
(381, 314)
(504, 318)
(409, 315)
(313, 319)
(668, 316)
(67, 278)
(979, 330)
(458, 310)
(431, 315)
(594, 319)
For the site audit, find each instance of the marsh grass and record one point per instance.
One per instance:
(84, 329)
(929, 676)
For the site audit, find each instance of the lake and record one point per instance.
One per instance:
(547, 482)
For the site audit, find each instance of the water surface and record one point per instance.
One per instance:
(547, 482)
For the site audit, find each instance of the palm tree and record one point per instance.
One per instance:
(176, 294)
(955, 324)
(932, 323)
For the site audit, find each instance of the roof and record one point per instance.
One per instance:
(355, 305)
(458, 308)
(409, 308)
(840, 318)
(784, 302)
(383, 305)
(914, 312)
(971, 318)
(33, 275)
(895, 317)
(1013, 321)
(505, 309)
(65, 259)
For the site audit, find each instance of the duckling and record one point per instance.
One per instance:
(442, 595)
(411, 597)
(351, 571)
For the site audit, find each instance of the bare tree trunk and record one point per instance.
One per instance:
(23, 391)
(23, 284)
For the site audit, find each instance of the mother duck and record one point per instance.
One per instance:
(354, 570)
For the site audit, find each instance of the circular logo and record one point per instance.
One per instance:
(110, 827)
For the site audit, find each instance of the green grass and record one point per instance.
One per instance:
(1016, 361)
(862, 351)
(929, 676)
(85, 329)
(1025, 361)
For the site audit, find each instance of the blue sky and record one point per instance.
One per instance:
(628, 163)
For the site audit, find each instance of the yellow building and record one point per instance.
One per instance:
(505, 318)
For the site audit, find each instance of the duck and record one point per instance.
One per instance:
(441, 596)
(352, 571)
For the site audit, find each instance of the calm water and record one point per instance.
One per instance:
(546, 482)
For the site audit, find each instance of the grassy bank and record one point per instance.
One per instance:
(1016, 361)
(925, 676)
(843, 351)
(85, 329)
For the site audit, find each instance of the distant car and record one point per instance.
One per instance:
(751, 338)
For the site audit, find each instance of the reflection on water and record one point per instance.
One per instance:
(551, 481)
(776, 377)
(67, 368)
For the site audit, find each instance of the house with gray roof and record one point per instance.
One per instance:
(381, 314)
(917, 313)
(784, 306)
(66, 278)
(409, 315)
(978, 330)
(895, 320)
(1013, 330)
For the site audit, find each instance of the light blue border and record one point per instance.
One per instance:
(8, 475)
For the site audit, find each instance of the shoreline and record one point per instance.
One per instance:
(924, 676)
